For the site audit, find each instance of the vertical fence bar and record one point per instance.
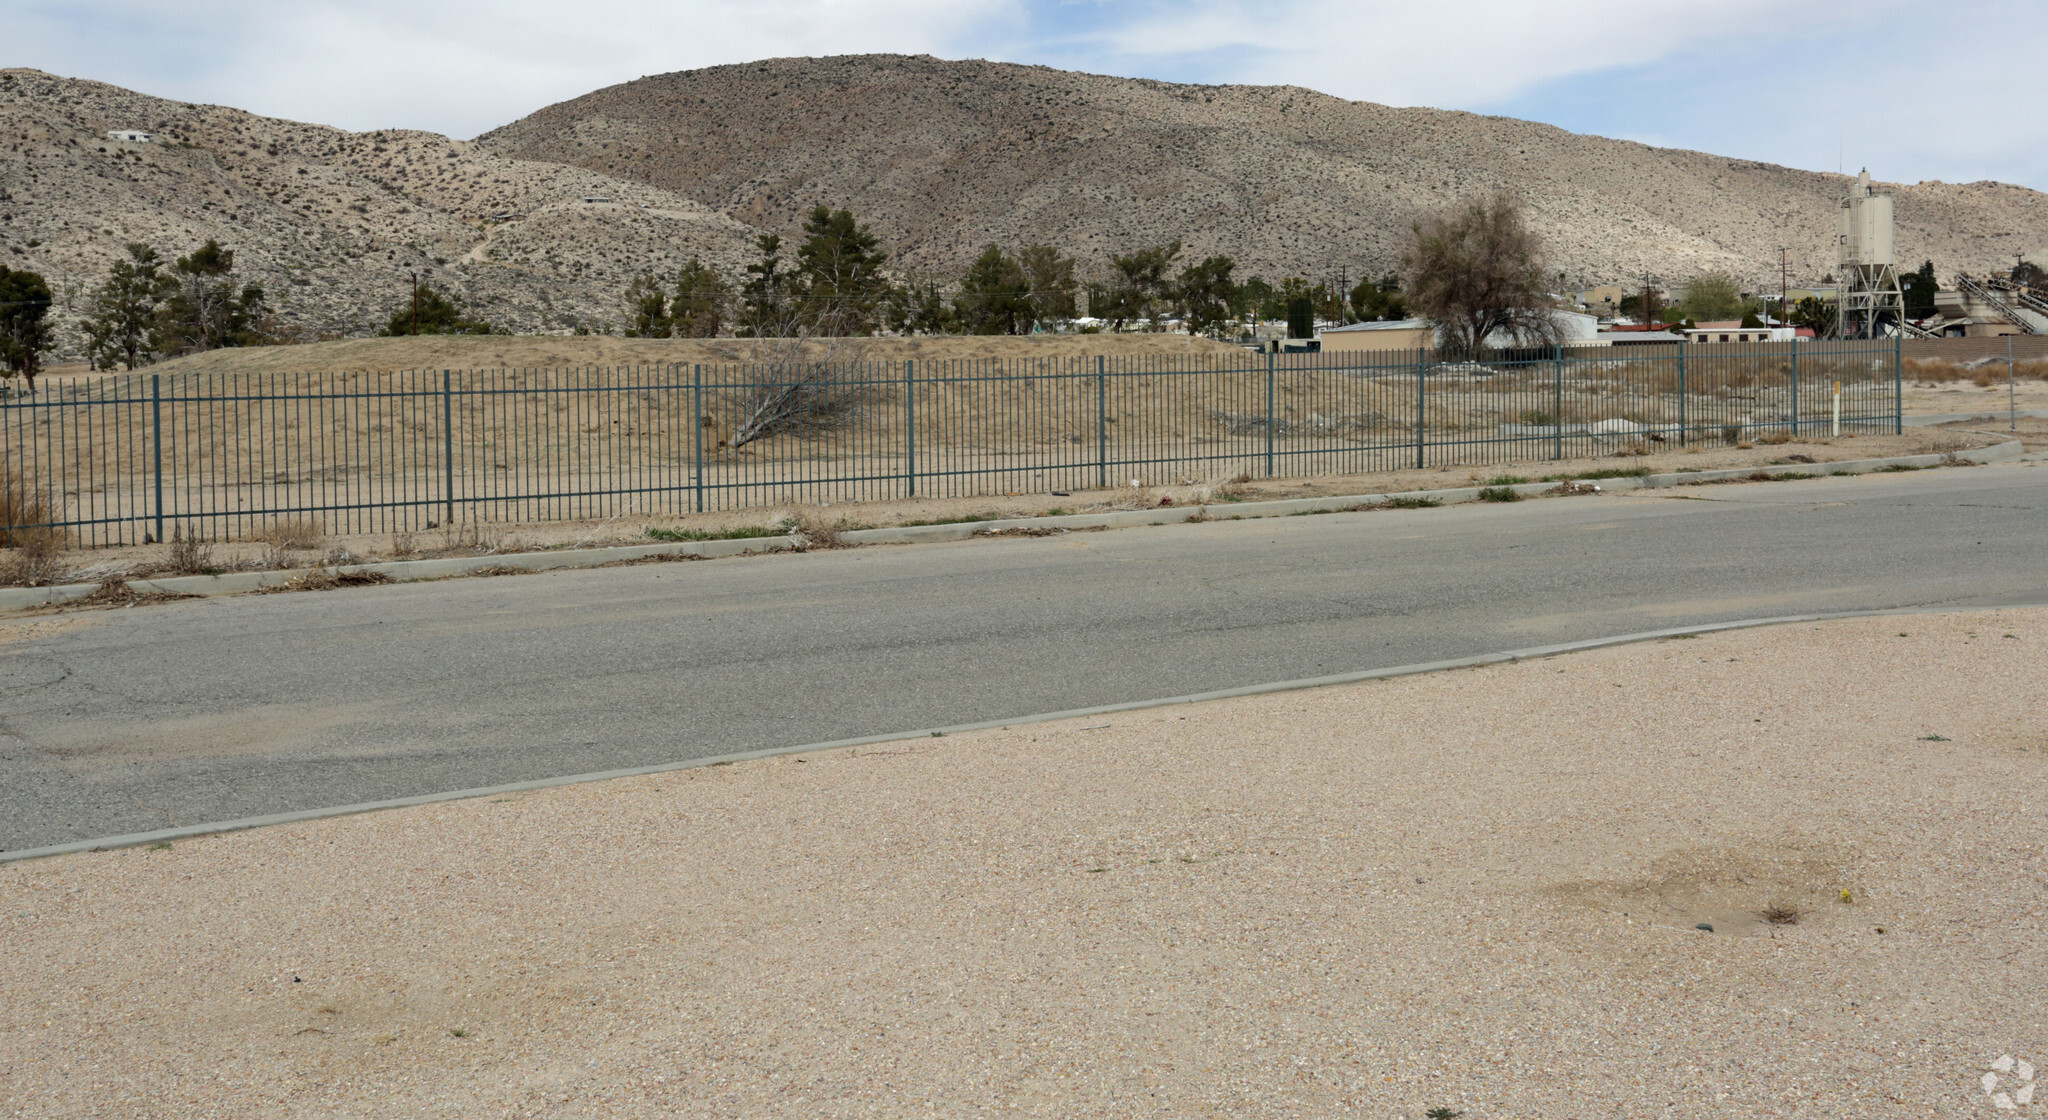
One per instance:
(1421, 405)
(1795, 386)
(910, 427)
(1682, 395)
(1557, 411)
(697, 426)
(156, 424)
(448, 446)
(1272, 418)
(1101, 425)
(1899, 383)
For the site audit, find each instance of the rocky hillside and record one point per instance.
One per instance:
(331, 222)
(944, 157)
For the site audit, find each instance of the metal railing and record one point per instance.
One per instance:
(126, 457)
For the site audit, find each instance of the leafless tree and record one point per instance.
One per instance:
(797, 383)
(1476, 271)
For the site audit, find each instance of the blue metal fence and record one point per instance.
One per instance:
(123, 457)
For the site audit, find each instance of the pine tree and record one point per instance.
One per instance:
(842, 272)
(204, 310)
(24, 322)
(995, 295)
(124, 310)
(770, 295)
(647, 310)
(701, 299)
(432, 313)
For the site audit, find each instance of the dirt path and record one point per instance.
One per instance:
(1477, 891)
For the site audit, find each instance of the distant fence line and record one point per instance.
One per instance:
(130, 456)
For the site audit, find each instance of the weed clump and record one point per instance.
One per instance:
(26, 513)
(1499, 494)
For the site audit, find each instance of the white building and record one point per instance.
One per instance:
(131, 136)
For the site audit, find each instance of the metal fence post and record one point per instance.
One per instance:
(1421, 403)
(448, 445)
(910, 426)
(697, 426)
(1557, 411)
(156, 425)
(1683, 438)
(1101, 425)
(1272, 420)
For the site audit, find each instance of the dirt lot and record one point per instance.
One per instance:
(1219, 492)
(534, 352)
(1479, 891)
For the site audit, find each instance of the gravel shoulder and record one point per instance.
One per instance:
(1475, 890)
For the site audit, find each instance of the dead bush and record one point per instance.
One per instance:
(189, 556)
(25, 515)
(809, 530)
(286, 536)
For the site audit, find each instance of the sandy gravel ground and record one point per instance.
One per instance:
(1475, 891)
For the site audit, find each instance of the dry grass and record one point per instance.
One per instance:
(1983, 375)
(285, 537)
(811, 531)
(189, 556)
(34, 559)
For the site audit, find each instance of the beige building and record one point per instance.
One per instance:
(1395, 334)
(1602, 300)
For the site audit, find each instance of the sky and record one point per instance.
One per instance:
(1910, 90)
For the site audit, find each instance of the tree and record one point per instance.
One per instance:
(437, 314)
(1142, 282)
(1476, 271)
(701, 299)
(1920, 288)
(204, 310)
(1814, 314)
(124, 309)
(995, 295)
(1258, 298)
(1298, 303)
(24, 322)
(1712, 295)
(842, 273)
(2029, 274)
(1205, 294)
(919, 306)
(647, 308)
(1051, 276)
(771, 295)
(1374, 301)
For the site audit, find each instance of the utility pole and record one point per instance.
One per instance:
(415, 303)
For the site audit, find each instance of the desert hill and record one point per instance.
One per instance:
(943, 157)
(330, 221)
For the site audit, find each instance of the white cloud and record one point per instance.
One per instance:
(455, 66)
(1450, 52)
(1755, 78)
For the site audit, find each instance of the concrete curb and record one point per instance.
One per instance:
(165, 835)
(1989, 416)
(24, 598)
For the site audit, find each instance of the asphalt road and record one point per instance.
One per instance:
(184, 713)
